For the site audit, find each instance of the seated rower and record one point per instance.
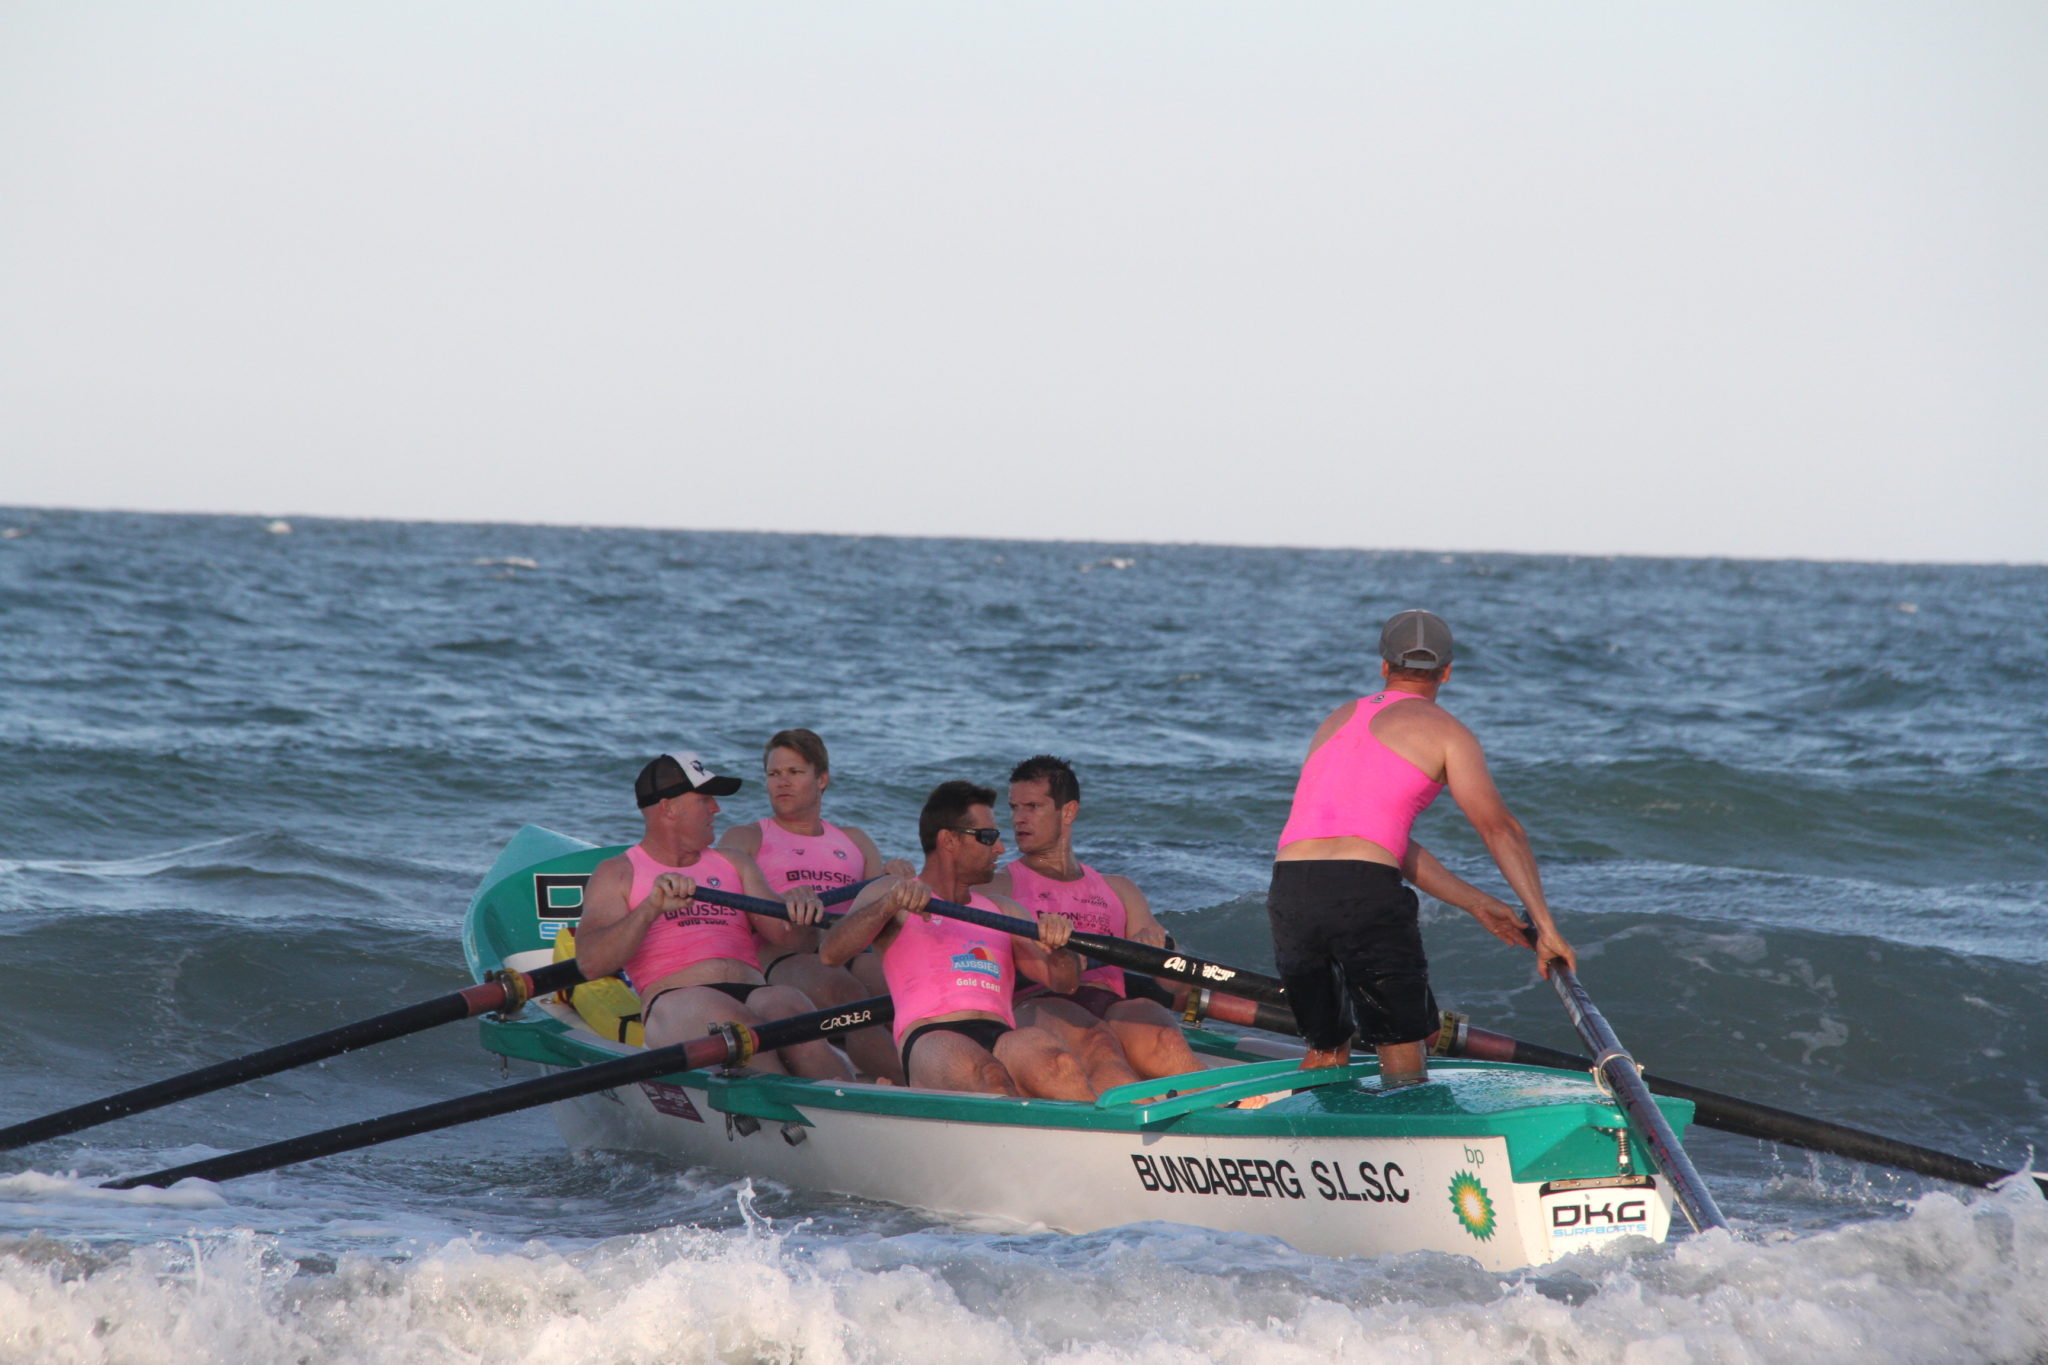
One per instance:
(953, 982)
(796, 847)
(694, 964)
(1145, 1037)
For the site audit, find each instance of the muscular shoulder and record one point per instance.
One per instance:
(745, 839)
(1332, 723)
(1126, 890)
(1000, 885)
(1004, 905)
(741, 860)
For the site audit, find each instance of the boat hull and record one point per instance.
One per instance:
(1332, 1196)
(1509, 1165)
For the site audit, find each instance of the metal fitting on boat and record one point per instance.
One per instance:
(1450, 1035)
(518, 988)
(739, 1042)
(1197, 1007)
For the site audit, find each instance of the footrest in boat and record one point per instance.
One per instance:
(1156, 1099)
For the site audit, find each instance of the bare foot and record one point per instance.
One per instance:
(1326, 1056)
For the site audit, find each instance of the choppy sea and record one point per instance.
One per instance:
(1792, 814)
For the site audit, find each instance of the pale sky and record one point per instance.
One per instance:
(1758, 279)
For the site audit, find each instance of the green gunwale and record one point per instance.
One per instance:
(1556, 1125)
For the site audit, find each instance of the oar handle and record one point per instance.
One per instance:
(733, 1044)
(1171, 963)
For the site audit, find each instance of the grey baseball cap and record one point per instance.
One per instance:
(1415, 639)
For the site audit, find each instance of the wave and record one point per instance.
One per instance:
(1950, 1280)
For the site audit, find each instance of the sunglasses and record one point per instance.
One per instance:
(987, 837)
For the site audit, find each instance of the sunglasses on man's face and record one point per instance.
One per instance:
(987, 837)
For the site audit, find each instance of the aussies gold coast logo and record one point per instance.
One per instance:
(1473, 1205)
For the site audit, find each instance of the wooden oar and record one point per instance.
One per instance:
(1172, 963)
(1624, 1081)
(1729, 1114)
(734, 1043)
(505, 991)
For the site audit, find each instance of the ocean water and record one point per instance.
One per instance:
(1791, 813)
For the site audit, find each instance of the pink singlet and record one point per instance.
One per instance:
(1354, 785)
(941, 966)
(816, 860)
(697, 932)
(1089, 901)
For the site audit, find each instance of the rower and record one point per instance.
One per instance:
(795, 846)
(695, 965)
(953, 982)
(1119, 1034)
(1343, 921)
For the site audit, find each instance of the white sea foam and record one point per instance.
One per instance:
(35, 1187)
(1952, 1280)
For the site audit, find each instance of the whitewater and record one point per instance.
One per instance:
(250, 774)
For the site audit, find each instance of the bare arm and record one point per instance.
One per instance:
(876, 909)
(610, 931)
(1044, 960)
(1432, 878)
(1471, 785)
(1139, 923)
(805, 909)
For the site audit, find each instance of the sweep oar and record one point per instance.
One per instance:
(1730, 1114)
(733, 1043)
(1624, 1080)
(1172, 963)
(1257, 1001)
(504, 991)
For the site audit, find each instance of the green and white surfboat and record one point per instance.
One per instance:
(1510, 1165)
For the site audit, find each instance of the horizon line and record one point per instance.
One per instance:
(580, 525)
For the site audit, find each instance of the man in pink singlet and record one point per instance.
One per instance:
(797, 847)
(1045, 799)
(953, 983)
(694, 964)
(1343, 921)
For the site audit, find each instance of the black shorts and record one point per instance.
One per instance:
(1138, 987)
(738, 990)
(983, 1031)
(1349, 929)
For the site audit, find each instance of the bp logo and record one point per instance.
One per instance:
(1473, 1205)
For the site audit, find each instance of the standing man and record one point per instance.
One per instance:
(1343, 921)
(796, 847)
(953, 982)
(692, 963)
(1045, 799)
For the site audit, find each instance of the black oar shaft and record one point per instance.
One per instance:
(494, 994)
(1625, 1082)
(1171, 963)
(693, 1055)
(1731, 1114)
